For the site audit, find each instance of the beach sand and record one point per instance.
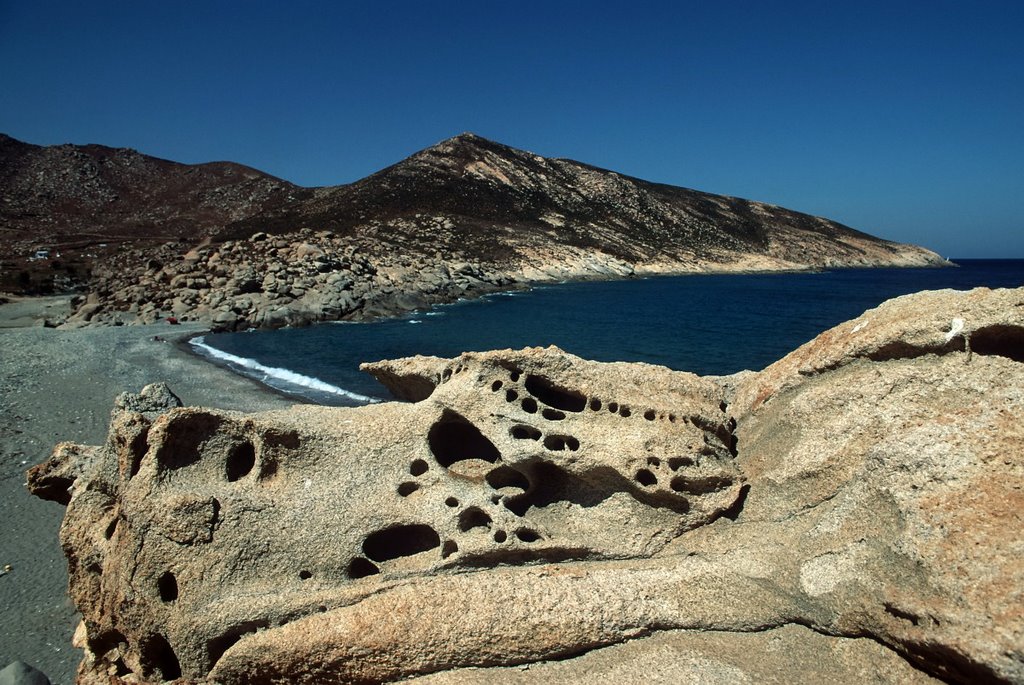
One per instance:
(58, 385)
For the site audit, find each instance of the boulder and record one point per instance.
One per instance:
(849, 514)
(20, 673)
(225, 320)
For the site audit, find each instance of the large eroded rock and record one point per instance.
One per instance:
(530, 505)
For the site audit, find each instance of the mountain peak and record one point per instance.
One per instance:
(463, 141)
(467, 137)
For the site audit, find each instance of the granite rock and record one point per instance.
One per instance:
(853, 511)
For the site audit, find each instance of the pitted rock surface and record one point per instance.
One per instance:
(529, 505)
(515, 458)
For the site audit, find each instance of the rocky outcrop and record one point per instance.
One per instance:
(272, 282)
(157, 238)
(859, 499)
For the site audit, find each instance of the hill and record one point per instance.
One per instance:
(129, 226)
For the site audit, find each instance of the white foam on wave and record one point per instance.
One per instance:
(270, 374)
(415, 321)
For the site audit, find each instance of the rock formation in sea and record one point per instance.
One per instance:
(235, 247)
(852, 513)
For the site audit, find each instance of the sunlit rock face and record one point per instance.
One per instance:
(522, 506)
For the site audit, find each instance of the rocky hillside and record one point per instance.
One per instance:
(159, 238)
(86, 202)
(496, 203)
(850, 514)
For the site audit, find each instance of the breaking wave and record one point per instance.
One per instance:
(285, 380)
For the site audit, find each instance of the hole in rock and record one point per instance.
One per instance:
(507, 477)
(595, 404)
(322, 608)
(525, 433)
(511, 395)
(671, 418)
(449, 548)
(625, 412)
(240, 461)
(613, 407)
(453, 439)
(268, 469)
(495, 386)
(108, 641)
(645, 477)
(516, 373)
(158, 657)
(733, 512)
(400, 541)
(452, 502)
(554, 443)
(407, 488)
(551, 485)
(557, 443)
(111, 528)
(279, 438)
(529, 405)
(1001, 340)
(360, 568)
(554, 396)
(186, 437)
(893, 610)
(167, 585)
(418, 467)
(216, 647)
(500, 536)
(552, 414)
(495, 499)
(445, 375)
(474, 517)
(723, 406)
(305, 575)
(215, 517)
(699, 486)
(676, 463)
(650, 414)
(653, 461)
(139, 446)
(527, 535)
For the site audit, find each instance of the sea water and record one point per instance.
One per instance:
(707, 324)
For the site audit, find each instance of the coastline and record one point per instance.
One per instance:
(59, 385)
(319, 276)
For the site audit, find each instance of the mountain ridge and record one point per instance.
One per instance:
(513, 216)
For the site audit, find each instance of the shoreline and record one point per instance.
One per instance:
(319, 276)
(187, 348)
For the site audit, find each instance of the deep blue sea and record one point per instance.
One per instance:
(708, 324)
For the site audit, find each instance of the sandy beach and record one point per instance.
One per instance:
(58, 385)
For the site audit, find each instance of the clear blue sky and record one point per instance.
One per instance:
(902, 119)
